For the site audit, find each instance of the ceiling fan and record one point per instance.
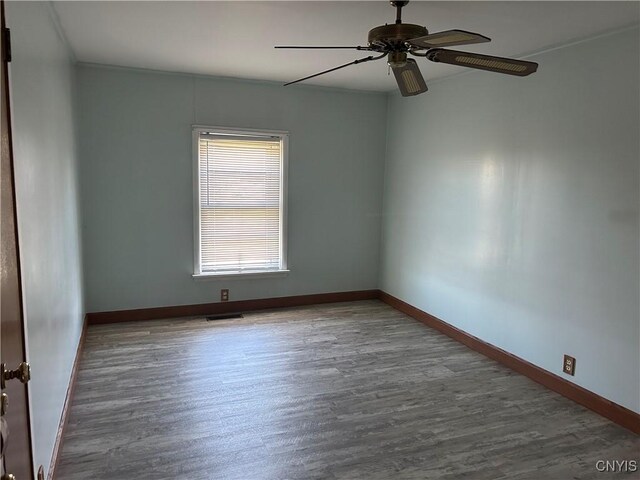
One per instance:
(399, 39)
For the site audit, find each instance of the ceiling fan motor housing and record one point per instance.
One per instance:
(397, 59)
(396, 35)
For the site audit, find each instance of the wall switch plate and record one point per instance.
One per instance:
(224, 295)
(569, 365)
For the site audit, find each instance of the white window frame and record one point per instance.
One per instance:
(284, 137)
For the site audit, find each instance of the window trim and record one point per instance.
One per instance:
(284, 180)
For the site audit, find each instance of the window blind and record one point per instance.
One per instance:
(240, 203)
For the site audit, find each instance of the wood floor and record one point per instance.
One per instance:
(341, 391)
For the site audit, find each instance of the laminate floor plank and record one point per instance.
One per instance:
(343, 391)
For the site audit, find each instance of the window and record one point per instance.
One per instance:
(240, 201)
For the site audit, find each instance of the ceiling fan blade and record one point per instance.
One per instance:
(409, 78)
(509, 66)
(301, 47)
(355, 62)
(448, 38)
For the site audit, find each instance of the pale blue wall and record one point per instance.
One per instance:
(137, 184)
(42, 89)
(511, 210)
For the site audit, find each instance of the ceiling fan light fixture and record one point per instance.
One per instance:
(397, 59)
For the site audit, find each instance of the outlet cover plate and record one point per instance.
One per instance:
(569, 365)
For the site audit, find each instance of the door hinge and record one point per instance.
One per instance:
(6, 41)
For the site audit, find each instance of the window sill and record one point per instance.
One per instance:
(239, 275)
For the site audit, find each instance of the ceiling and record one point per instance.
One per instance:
(236, 39)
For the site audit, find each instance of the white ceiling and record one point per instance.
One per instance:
(236, 39)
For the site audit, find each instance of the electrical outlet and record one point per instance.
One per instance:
(224, 295)
(569, 365)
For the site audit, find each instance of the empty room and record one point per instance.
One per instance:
(320, 240)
